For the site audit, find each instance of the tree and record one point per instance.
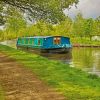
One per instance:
(51, 10)
(97, 26)
(64, 28)
(88, 27)
(43, 28)
(1, 34)
(2, 20)
(78, 25)
(14, 23)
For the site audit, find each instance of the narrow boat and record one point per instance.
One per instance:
(59, 44)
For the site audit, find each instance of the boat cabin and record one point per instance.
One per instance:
(44, 42)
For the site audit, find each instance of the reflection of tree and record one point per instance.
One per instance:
(82, 57)
(96, 63)
(87, 59)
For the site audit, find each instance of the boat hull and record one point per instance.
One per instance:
(54, 50)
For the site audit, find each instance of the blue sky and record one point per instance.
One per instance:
(88, 8)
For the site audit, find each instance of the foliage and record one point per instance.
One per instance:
(96, 26)
(80, 30)
(14, 23)
(51, 10)
(88, 27)
(15, 20)
(64, 28)
(73, 83)
(78, 26)
(2, 20)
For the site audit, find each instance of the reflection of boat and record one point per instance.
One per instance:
(57, 44)
(67, 57)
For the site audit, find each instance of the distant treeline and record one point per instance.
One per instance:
(79, 27)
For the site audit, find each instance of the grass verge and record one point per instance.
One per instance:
(73, 83)
(85, 41)
(1, 94)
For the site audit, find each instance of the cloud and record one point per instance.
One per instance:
(89, 8)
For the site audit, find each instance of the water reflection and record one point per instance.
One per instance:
(11, 43)
(87, 59)
(66, 58)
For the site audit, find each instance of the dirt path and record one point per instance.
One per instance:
(21, 84)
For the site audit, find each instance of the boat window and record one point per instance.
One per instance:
(57, 40)
(39, 42)
(32, 41)
(23, 41)
(28, 41)
(19, 40)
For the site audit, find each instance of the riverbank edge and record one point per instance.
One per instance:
(92, 46)
(73, 83)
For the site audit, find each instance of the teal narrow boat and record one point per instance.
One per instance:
(45, 43)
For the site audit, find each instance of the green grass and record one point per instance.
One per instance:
(73, 83)
(85, 41)
(1, 94)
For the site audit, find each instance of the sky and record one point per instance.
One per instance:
(88, 8)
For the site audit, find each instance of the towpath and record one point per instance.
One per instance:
(21, 84)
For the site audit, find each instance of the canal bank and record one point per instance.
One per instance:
(92, 46)
(74, 83)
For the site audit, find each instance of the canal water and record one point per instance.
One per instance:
(85, 58)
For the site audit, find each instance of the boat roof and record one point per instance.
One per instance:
(37, 37)
(42, 36)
